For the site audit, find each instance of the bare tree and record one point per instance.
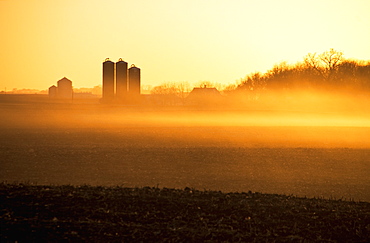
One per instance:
(331, 59)
(209, 84)
(230, 88)
(183, 89)
(170, 90)
(205, 84)
(253, 85)
(312, 61)
(325, 64)
(165, 89)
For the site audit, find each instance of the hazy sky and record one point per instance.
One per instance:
(171, 40)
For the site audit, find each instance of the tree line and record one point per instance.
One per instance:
(325, 71)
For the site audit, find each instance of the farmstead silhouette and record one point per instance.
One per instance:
(120, 85)
(63, 90)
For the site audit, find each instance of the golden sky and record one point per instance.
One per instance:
(171, 40)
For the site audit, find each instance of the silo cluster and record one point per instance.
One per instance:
(120, 85)
(63, 90)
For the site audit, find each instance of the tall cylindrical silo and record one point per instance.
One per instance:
(121, 80)
(108, 80)
(134, 81)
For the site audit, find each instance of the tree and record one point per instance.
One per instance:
(328, 69)
(253, 85)
(171, 91)
(325, 64)
(363, 76)
(205, 84)
(164, 89)
(183, 89)
(280, 76)
(229, 89)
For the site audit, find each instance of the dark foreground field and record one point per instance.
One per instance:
(31, 213)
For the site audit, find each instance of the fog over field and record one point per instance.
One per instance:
(312, 148)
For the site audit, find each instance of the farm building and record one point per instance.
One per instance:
(53, 92)
(63, 90)
(204, 96)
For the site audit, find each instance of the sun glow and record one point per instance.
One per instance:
(220, 41)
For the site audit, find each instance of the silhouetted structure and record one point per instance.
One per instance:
(120, 85)
(65, 90)
(53, 92)
(204, 96)
(108, 80)
(134, 81)
(121, 81)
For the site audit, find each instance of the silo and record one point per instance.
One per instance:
(53, 92)
(121, 80)
(108, 80)
(64, 88)
(134, 81)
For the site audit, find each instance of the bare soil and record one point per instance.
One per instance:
(35, 213)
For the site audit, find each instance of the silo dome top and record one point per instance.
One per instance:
(64, 80)
(132, 65)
